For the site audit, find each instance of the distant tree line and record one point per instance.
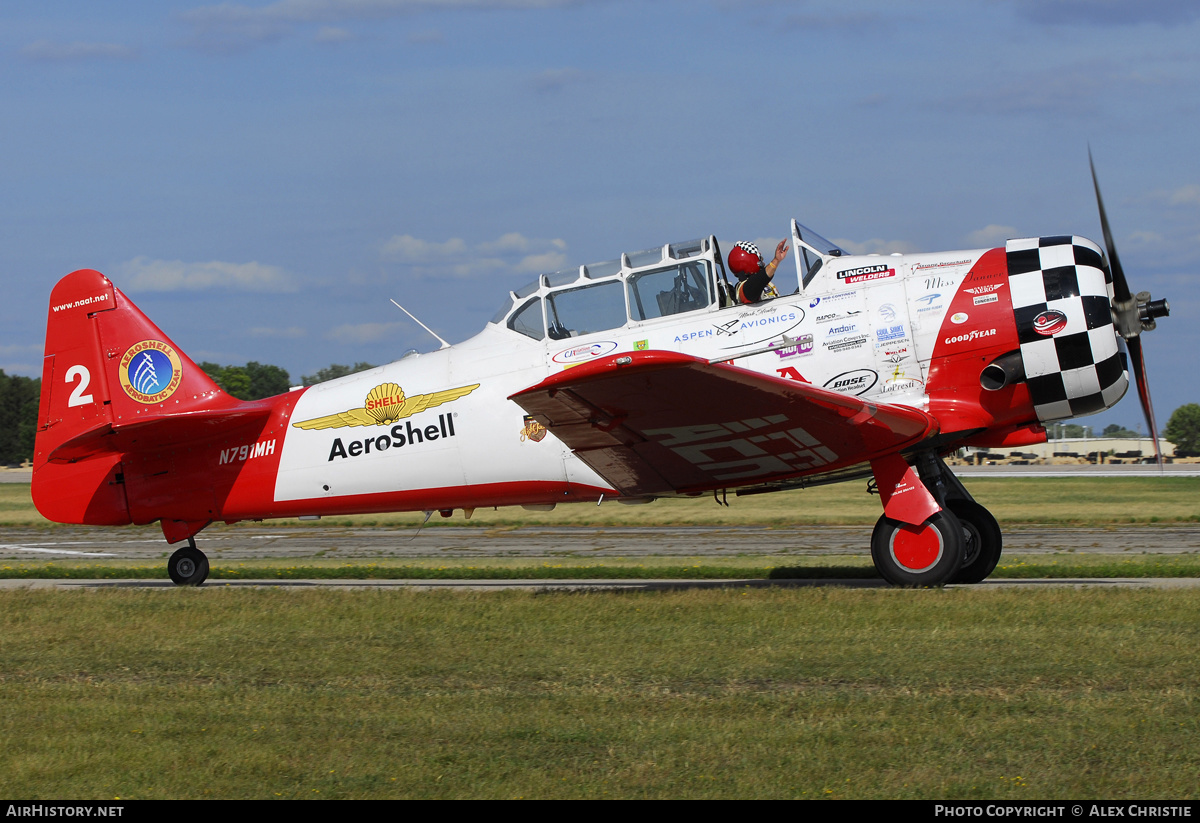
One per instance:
(19, 398)
(334, 372)
(253, 381)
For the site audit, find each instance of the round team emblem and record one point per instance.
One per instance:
(150, 371)
(958, 318)
(1049, 322)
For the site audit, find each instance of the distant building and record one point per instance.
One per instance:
(1124, 450)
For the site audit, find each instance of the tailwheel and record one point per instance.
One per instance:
(188, 566)
(982, 541)
(926, 555)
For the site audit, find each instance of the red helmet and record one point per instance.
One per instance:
(745, 260)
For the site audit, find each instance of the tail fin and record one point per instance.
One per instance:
(108, 373)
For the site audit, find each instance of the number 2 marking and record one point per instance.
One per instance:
(78, 398)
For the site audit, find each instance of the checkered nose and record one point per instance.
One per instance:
(1061, 299)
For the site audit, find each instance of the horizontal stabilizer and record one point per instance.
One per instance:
(158, 432)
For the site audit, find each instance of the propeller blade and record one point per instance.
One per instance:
(1134, 345)
(1120, 285)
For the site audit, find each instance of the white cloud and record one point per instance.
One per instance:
(77, 52)
(332, 34)
(406, 248)
(555, 79)
(290, 333)
(144, 274)
(21, 358)
(1185, 195)
(234, 27)
(537, 263)
(509, 253)
(1145, 238)
(990, 236)
(359, 333)
(877, 246)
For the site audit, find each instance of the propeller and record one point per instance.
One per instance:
(1133, 315)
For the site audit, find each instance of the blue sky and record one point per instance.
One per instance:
(262, 177)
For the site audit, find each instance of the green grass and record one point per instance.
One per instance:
(1061, 565)
(1058, 500)
(972, 694)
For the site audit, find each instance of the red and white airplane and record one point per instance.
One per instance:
(632, 379)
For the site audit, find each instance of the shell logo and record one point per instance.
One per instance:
(384, 404)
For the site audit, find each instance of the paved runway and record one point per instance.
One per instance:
(359, 544)
(245, 543)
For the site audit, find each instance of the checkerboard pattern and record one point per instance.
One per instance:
(1079, 370)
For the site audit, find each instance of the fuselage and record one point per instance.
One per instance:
(438, 431)
(915, 330)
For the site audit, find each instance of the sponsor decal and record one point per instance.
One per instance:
(759, 320)
(532, 430)
(984, 289)
(865, 273)
(981, 299)
(794, 348)
(641, 345)
(855, 382)
(836, 315)
(833, 298)
(900, 382)
(930, 303)
(1049, 322)
(844, 344)
(937, 282)
(86, 301)
(398, 437)
(790, 373)
(888, 312)
(975, 335)
(949, 264)
(150, 371)
(239, 454)
(845, 328)
(889, 334)
(958, 318)
(578, 354)
(385, 404)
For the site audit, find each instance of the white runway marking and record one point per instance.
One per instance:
(57, 551)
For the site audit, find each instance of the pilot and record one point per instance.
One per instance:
(754, 279)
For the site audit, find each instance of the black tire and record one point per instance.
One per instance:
(928, 555)
(982, 543)
(188, 567)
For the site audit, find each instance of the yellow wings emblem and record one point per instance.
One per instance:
(385, 404)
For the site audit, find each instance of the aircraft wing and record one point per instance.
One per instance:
(661, 422)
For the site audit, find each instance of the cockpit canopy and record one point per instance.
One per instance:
(640, 286)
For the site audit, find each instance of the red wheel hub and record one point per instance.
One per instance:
(916, 548)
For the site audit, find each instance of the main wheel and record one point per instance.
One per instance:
(927, 555)
(982, 541)
(188, 566)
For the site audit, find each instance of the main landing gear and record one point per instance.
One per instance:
(188, 566)
(959, 544)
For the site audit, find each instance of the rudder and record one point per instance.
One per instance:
(106, 367)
